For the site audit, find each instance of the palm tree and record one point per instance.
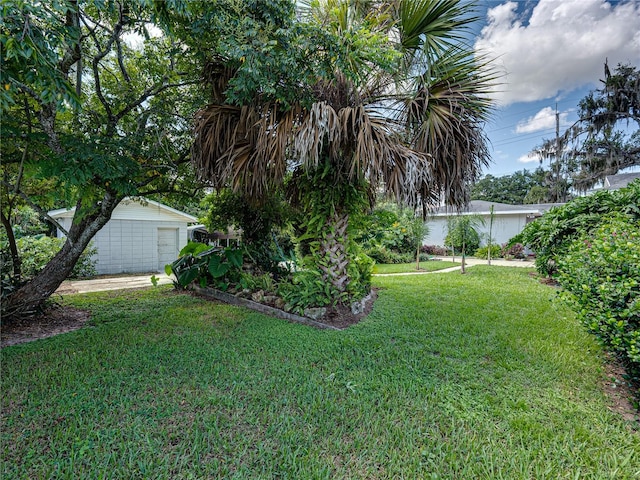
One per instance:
(401, 110)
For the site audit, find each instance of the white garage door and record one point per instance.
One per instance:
(167, 246)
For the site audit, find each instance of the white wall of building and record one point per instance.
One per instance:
(129, 242)
(505, 227)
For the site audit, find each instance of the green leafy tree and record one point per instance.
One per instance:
(463, 234)
(380, 97)
(512, 189)
(95, 108)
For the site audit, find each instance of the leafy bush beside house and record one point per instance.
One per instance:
(600, 275)
(37, 251)
(551, 235)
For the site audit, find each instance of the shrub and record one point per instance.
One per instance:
(380, 254)
(550, 235)
(482, 252)
(434, 250)
(424, 257)
(36, 252)
(389, 227)
(515, 250)
(600, 274)
(216, 266)
(308, 288)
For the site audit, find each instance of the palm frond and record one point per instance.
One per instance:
(432, 25)
(243, 147)
(445, 116)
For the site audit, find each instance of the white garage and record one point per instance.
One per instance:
(142, 236)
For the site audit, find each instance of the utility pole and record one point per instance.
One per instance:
(560, 196)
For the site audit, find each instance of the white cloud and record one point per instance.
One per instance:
(558, 46)
(545, 119)
(529, 158)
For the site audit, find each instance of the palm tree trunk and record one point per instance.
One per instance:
(333, 251)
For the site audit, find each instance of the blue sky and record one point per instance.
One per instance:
(548, 52)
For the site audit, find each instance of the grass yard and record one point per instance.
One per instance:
(452, 376)
(430, 266)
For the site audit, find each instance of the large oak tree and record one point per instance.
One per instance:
(96, 105)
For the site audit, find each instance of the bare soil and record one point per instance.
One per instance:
(620, 391)
(53, 321)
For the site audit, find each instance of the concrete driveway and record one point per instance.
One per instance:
(112, 282)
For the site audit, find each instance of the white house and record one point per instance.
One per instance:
(508, 220)
(142, 236)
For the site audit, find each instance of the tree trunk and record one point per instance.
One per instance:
(333, 249)
(13, 248)
(29, 298)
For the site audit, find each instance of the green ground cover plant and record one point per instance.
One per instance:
(477, 376)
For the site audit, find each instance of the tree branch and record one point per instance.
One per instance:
(102, 52)
(72, 53)
(43, 213)
(149, 92)
(125, 74)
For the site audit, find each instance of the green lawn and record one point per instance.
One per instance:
(452, 376)
(430, 266)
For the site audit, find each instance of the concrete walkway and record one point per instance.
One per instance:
(139, 281)
(500, 262)
(111, 283)
(469, 262)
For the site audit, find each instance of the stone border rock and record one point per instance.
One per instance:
(259, 307)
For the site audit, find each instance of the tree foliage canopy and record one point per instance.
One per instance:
(96, 105)
(515, 189)
(606, 137)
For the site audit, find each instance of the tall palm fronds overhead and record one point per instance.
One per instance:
(416, 131)
(388, 96)
(445, 113)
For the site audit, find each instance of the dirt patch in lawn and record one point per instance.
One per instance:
(620, 391)
(53, 321)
